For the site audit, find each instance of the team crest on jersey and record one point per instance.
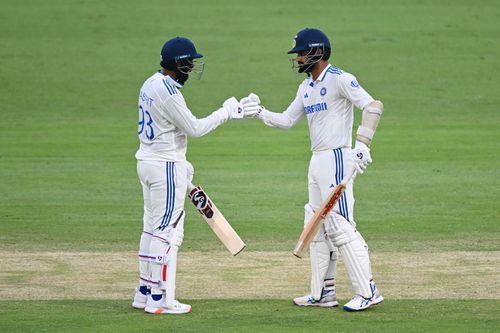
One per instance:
(354, 84)
(322, 92)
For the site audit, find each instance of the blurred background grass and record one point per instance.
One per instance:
(70, 72)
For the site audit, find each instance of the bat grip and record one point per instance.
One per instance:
(190, 187)
(350, 175)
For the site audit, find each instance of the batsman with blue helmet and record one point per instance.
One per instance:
(164, 124)
(326, 98)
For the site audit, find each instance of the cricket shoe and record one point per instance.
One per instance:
(328, 300)
(140, 299)
(358, 303)
(159, 307)
(377, 297)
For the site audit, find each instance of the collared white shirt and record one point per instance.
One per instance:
(165, 121)
(328, 104)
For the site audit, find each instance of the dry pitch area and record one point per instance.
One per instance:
(250, 275)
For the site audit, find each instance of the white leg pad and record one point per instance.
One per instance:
(320, 259)
(339, 230)
(144, 260)
(332, 266)
(366, 261)
(355, 257)
(322, 267)
(159, 258)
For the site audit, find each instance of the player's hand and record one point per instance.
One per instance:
(361, 156)
(233, 108)
(175, 237)
(251, 106)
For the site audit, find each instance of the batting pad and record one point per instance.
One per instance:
(320, 260)
(368, 262)
(144, 258)
(160, 256)
(356, 261)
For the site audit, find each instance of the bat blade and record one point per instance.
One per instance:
(312, 227)
(214, 218)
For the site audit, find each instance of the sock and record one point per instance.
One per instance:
(144, 290)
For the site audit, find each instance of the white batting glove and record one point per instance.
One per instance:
(361, 156)
(190, 171)
(233, 108)
(175, 237)
(251, 98)
(251, 106)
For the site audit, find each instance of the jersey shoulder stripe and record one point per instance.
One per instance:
(335, 70)
(332, 70)
(170, 88)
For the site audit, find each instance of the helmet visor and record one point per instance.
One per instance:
(304, 61)
(192, 67)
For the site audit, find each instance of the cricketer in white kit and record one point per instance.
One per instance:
(326, 98)
(165, 122)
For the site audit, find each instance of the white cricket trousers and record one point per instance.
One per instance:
(164, 186)
(327, 169)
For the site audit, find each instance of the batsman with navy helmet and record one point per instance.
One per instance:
(326, 98)
(165, 122)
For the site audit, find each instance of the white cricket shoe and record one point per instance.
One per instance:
(139, 299)
(327, 301)
(358, 303)
(159, 307)
(377, 297)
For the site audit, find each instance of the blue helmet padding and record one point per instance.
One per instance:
(309, 38)
(175, 49)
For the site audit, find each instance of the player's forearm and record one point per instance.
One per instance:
(198, 127)
(278, 120)
(369, 122)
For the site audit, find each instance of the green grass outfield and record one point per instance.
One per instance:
(252, 316)
(70, 72)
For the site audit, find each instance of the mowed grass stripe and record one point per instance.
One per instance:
(250, 275)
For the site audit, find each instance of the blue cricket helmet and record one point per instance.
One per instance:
(309, 38)
(176, 49)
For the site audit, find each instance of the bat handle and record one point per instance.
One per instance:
(350, 175)
(190, 187)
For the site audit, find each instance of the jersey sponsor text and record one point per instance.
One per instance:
(315, 108)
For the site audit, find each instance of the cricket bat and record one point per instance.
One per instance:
(312, 227)
(215, 219)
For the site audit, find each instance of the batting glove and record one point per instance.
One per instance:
(361, 156)
(175, 237)
(233, 108)
(251, 106)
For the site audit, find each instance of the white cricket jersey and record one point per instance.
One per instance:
(327, 103)
(165, 120)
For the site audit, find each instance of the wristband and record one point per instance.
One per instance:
(366, 132)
